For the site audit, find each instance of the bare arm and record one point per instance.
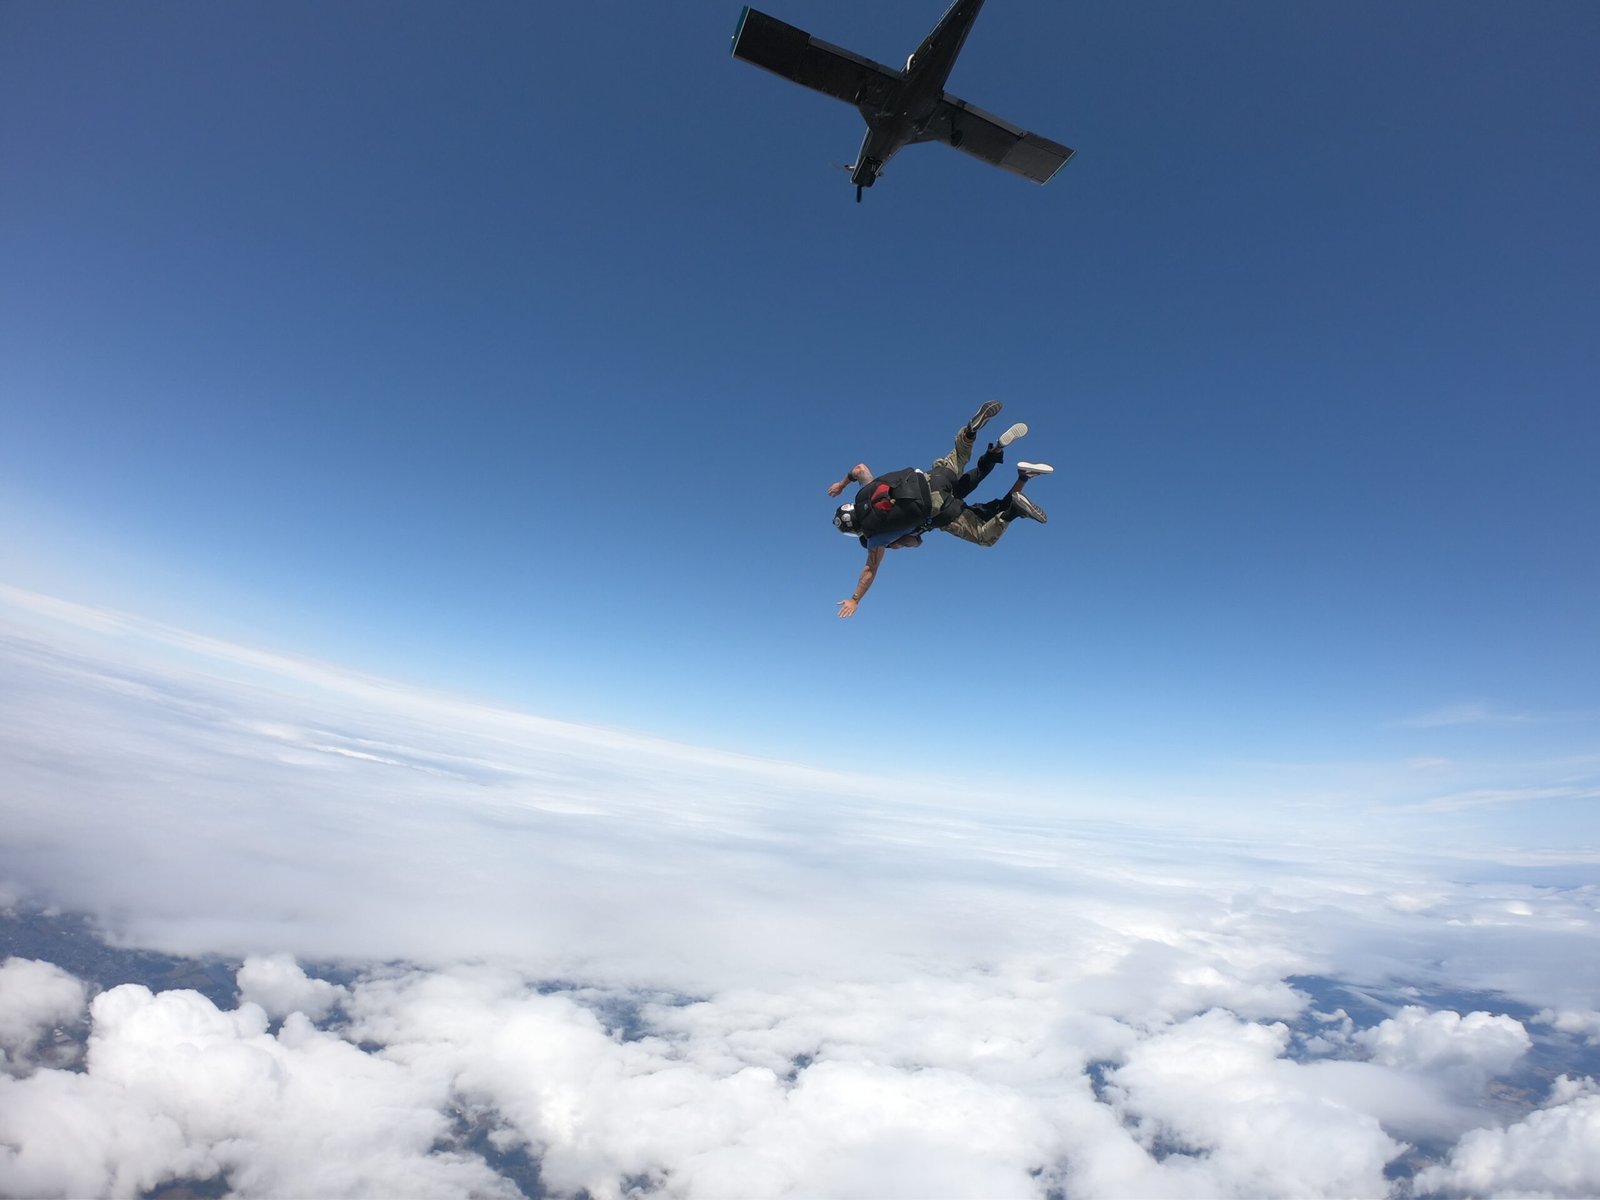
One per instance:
(858, 474)
(847, 608)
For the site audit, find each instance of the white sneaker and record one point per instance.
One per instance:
(1011, 435)
(1029, 470)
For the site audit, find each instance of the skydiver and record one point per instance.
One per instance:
(893, 511)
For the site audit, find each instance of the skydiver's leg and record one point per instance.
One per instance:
(982, 524)
(956, 461)
(989, 460)
(966, 437)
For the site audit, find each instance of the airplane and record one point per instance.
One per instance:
(900, 107)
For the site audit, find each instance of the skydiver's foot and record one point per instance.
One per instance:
(1024, 507)
(996, 453)
(1027, 471)
(1011, 435)
(990, 410)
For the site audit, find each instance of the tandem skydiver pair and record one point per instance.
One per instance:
(893, 511)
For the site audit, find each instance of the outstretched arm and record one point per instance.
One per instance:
(857, 474)
(847, 608)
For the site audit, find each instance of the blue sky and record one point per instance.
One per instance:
(414, 429)
(509, 349)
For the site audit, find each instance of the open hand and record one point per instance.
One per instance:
(847, 608)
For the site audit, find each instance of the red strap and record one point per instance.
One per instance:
(880, 498)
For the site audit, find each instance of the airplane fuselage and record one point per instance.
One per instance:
(902, 116)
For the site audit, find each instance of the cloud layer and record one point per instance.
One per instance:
(426, 1082)
(621, 966)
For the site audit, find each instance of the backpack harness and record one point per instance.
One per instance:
(901, 502)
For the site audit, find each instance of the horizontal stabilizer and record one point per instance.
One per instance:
(799, 57)
(984, 135)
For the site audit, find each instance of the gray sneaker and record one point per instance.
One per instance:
(1027, 508)
(1029, 470)
(989, 411)
(1011, 435)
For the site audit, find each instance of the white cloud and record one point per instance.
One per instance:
(973, 1085)
(280, 986)
(1554, 1151)
(1477, 712)
(1476, 1047)
(35, 998)
(814, 982)
(1479, 798)
(1584, 1023)
(964, 1088)
(1235, 1117)
(177, 1089)
(1467, 713)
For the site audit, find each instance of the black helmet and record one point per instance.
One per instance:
(844, 520)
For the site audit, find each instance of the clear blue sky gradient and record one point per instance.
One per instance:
(510, 348)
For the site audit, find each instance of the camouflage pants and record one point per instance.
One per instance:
(950, 482)
(982, 524)
(956, 461)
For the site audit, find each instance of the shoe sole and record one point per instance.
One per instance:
(1032, 469)
(987, 412)
(1029, 509)
(1012, 434)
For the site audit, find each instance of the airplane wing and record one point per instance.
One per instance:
(799, 57)
(984, 135)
